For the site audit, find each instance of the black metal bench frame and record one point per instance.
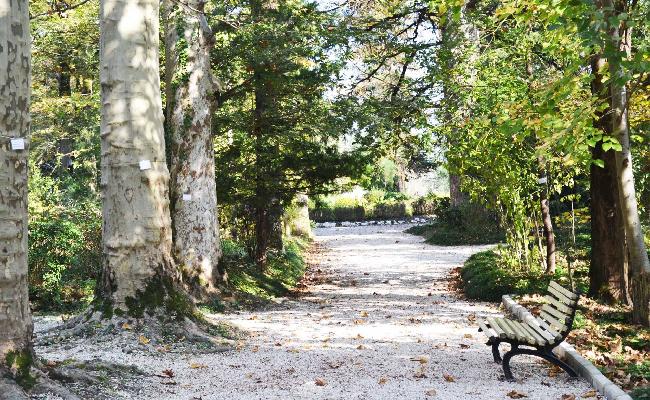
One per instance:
(545, 351)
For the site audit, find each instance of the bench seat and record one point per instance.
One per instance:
(543, 334)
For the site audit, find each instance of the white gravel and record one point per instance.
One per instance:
(384, 326)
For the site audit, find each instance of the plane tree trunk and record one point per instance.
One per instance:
(15, 318)
(190, 89)
(138, 270)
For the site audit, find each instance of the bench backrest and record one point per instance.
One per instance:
(559, 311)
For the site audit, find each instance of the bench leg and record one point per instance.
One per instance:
(548, 356)
(495, 353)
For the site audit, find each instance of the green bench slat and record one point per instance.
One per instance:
(556, 313)
(516, 333)
(488, 331)
(561, 297)
(560, 327)
(545, 326)
(496, 328)
(541, 339)
(563, 290)
(562, 307)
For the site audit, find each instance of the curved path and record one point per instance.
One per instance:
(380, 325)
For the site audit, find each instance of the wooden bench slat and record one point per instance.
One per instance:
(555, 312)
(541, 339)
(496, 328)
(519, 335)
(552, 301)
(563, 290)
(533, 338)
(545, 326)
(560, 327)
(561, 296)
(488, 331)
(506, 328)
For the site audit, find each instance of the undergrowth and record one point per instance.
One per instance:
(463, 225)
(249, 285)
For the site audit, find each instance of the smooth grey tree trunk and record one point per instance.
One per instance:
(15, 318)
(190, 89)
(137, 236)
(620, 39)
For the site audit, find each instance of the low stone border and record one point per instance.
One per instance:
(413, 220)
(569, 355)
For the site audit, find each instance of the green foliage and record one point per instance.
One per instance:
(484, 277)
(282, 274)
(64, 243)
(466, 224)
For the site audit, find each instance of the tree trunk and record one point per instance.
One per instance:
(620, 40)
(276, 213)
(137, 237)
(261, 236)
(608, 267)
(15, 318)
(190, 88)
(548, 232)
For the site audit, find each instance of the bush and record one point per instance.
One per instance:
(484, 278)
(430, 204)
(391, 209)
(466, 224)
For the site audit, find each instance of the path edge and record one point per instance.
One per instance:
(568, 354)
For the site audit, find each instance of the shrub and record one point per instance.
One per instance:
(391, 209)
(430, 204)
(484, 278)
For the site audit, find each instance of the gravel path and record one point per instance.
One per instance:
(382, 325)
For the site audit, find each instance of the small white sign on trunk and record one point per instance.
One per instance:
(145, 164)
(17, 144)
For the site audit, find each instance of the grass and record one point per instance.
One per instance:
(250, 286)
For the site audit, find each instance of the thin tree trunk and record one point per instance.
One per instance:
(620, 39)
(190, 89)
(276, 212)
(15, 318)
(137, 237)
(549, 235)
(608, 268)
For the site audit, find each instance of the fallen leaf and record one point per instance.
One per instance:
(143, 340)
(421, 359)
(591, 393)
(515, 394)
(449, 377)
(471, 317)
(383, 380)
(430, 392)
(320, 382)
(168, 372)
(361, 347)
(364, 314)
(198, 366)
(464, 346)
(255, 349)
(468, 336)
(568, 397)
(126, 326)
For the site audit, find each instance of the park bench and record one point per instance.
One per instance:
(540, 335)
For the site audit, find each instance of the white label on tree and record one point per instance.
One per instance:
(187, 197)
(18, 144)
(542, 180)
(145, 164)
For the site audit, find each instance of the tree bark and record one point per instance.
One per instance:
(15, 62)
(549, 235)
(619, 38)
(137, 237)
(190, 88)
(608, 268)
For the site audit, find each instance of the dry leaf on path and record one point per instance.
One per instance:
(143, 340)
(449, 377)
(591, 393)
(568, 397)
(126, 326)
(383, 380)
(364, 314)
(515, 394)
(467, 336)
(430, 392)
(198, 366)
(320, 382)
(168, 373)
